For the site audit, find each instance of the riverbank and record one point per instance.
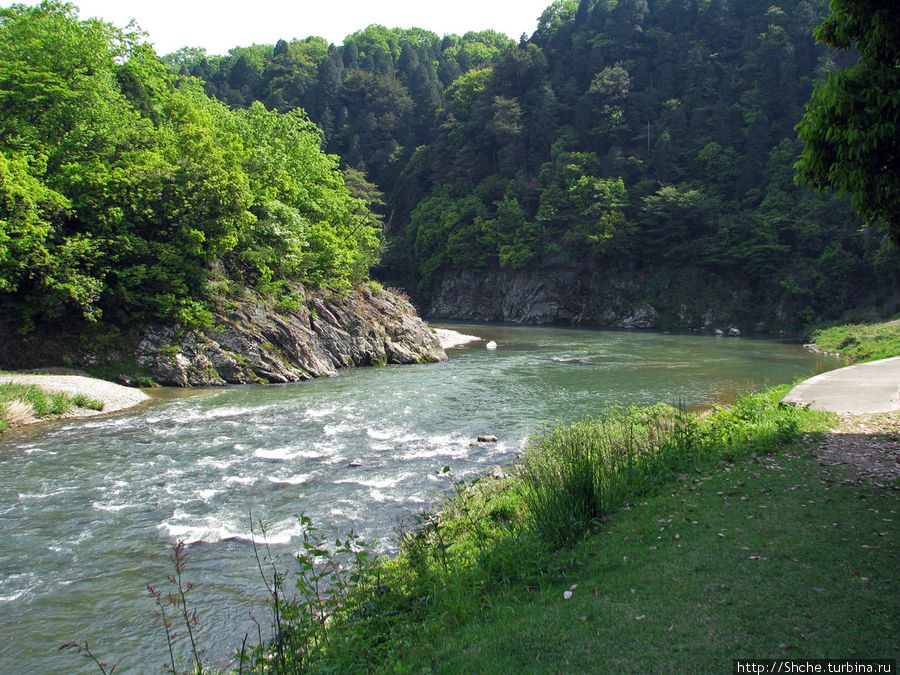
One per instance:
(246, 341)
(859, 343)
(87, 396)
(752, 511)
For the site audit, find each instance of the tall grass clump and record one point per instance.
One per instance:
(574, 474)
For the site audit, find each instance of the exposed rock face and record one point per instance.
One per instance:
(557, 292)
(251, 344)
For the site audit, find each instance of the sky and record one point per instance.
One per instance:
(219, 25)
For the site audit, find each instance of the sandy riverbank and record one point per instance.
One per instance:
(114, 396)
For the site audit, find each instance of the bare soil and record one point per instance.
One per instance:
(869, 445)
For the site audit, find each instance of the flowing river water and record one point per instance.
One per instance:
(89, 507)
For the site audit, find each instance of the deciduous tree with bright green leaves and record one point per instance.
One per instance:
(124, 189)
(851, 130)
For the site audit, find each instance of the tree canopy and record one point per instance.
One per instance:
(654, 137)
(851, 130)
(649, 136)
(127, 194)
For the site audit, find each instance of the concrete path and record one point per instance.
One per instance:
(866, 388)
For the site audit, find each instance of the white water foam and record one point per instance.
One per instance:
(340, 428)
(16, 586)
(451, 338)
(220, 464)
(377, 483)
(286, 453)
(210, 529)
(239, 480)
(113, 508)
(298, 479)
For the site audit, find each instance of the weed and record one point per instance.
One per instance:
(575, 474)
(84, 401)
(17, 412)
(176, 598)
(24, 403)
(327, 583)
(84, 650)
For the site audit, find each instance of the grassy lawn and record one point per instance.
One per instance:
(861, 342)
(766, 558)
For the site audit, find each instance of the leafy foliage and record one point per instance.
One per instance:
(650, 136)
(852, 122)
(123, 187)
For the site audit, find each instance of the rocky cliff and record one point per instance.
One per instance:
(557, 293)
(250, 342)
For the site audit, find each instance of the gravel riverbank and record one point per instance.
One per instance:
(114, 396)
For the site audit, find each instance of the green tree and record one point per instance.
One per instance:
(851, 130)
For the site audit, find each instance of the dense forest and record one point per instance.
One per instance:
(647, 138)
(652, 140)
(128, 195)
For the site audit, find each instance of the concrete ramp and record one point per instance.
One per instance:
(866, 388)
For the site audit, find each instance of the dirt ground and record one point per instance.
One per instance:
(867, 444)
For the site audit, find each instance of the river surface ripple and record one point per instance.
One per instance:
(88, 508)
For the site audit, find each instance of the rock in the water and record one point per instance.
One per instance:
(488, 439)
(491, 345)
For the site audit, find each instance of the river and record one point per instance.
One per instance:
(88, 508)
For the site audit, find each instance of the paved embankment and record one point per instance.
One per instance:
(865, 388)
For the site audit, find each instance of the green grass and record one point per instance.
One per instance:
(861, 342)
(41, 403)
(685, 541)
(767, 558)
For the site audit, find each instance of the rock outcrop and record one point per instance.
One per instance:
(556, 292)
(252, 344)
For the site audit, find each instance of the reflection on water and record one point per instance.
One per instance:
(88, 507)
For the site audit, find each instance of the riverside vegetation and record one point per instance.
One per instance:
(128, 197)
(860, 342)
(22, 404)
(643, 539)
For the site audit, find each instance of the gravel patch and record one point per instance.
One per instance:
(114, 396)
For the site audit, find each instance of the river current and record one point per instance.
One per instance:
(89, 507)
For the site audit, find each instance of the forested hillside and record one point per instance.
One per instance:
(651, 141)
(129, 196)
